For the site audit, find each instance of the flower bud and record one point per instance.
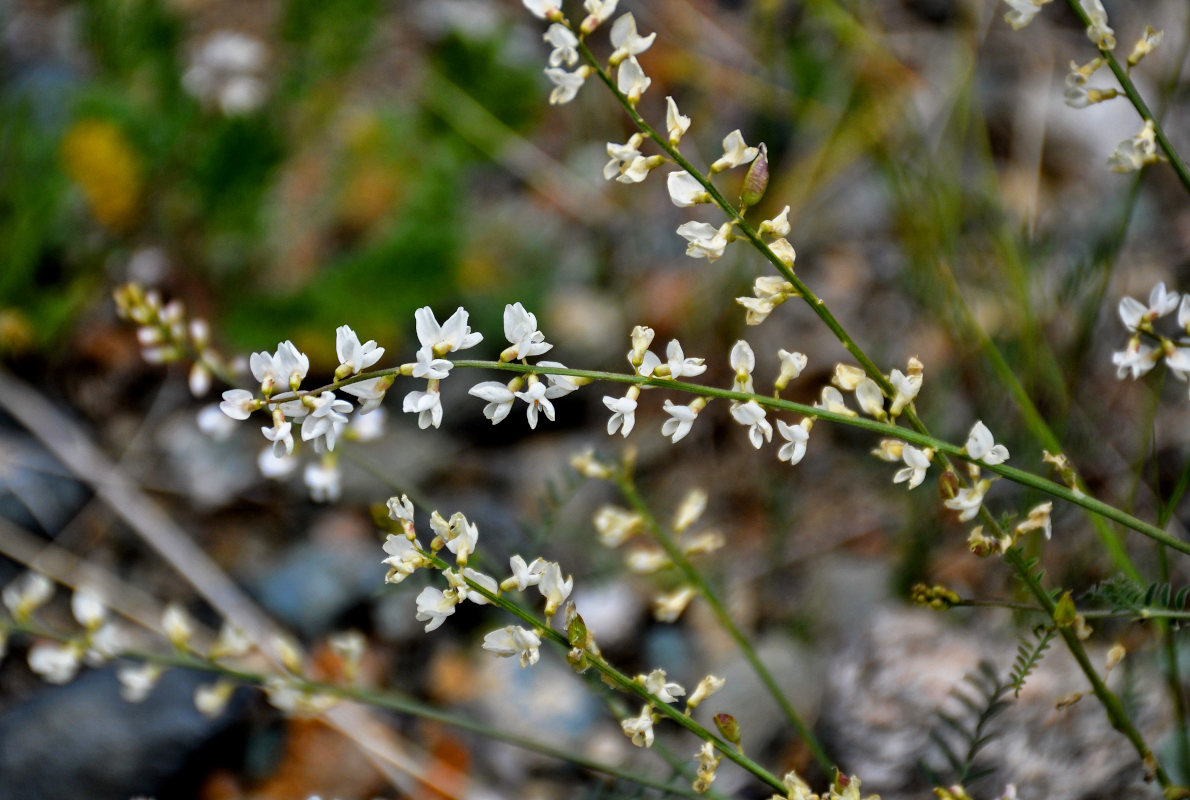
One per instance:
(729, 729)
(756, 180)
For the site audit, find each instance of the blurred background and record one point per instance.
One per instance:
(284, 167)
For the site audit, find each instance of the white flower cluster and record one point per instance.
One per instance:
(1146, 347)
(1132, 155)
(226, 71)
(1078, 94)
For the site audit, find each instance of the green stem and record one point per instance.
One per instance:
(1116, 714)
(663, 537)
(1142, 613)
(1175, 160)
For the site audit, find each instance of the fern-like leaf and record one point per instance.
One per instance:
(1028, 656)
(959, 737)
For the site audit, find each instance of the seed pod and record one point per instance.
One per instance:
(756, 180)
(729, 729)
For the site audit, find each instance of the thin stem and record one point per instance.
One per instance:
(1142, 613)
(1116, 714)
(663, 537)
(1175, 160)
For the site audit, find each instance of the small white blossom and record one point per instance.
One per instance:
(743, 361)
(792, 365)
(598, 12)
(916, 463)
(328, 418)
(566, 84)
(681, 419)
(369, 393)
(427, 406)
(685, 190)
(461, 537)
(429, 367)
(434, 606)
(177, 626)
(832, 400)
(681, 366)
(523, 575)
(1178, 361)
(285, 369)
(281, 435)
(647, 560)
(982, 447)
(1146, 44)
(520, 328)
(54, 662)
(403, 558)
(778, 226)
(1098, 31)
(906, 388)
(564, 43)
(623, 410)
(1038, 519)
(513, 640)
(665, 690)
(796, 438)
(464, 590)
(616, 525)
(1138, 317)
(626, 164)
(706, 687)
(536, 397)
(25, 595)
(499, 397)
(353, 356)
(1136, 359)
(1134, 154)
(453, 335)
(626, 40)
(137, 680)
(543, 9)
(870, 398)
(692, 507)
(323, 481)
(1021, 12)
(238, 403)
(735, 152)
(705, 240)
(210, 699)
(751, 416)
(231, 643)
(676, 124)
(553, 587)
(640, 729)
(968, 500)
(631, 80)
(88, 609)
(559, 385)
(668, 607)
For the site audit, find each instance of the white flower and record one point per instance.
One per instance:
(916, 463)
(599, 11)
(616, 525)
(327, 419)
(566, 84)
(685, 190)
(1133, 154)
(778, 226)
(623, 413)
(55, 663)
(238, 403)
(282, 438)
(520, 328)
(1136, 316)
(434, 606)
(233, 642)
(523, 575)
(429, 367)
(832, 400)
(1021, 12)
(784, 251)
(553, 587)
(796, 437)
(1038, 519)
(751, 415)
(647, 560)
(735, 152)
(427, 406)
(370, 393)
(668, 607)
(88, 609)
(499, 397)
(691, 509)
(679, 365)
(452, 335)
(640, 729)
(1146, 44)
(705, 240)
(403, 558)
(1184, 313)
(464, 590)
(706, 687)
(1136, 359)
(626, 164)
(536, 397)
(210, 699)
(564, 43)
(176, 625)
(137, 680)
(626, 40)
(1178, 361)
(543, 9)
(743, 361)
(225, 72)
(870, 398)
(906, 389)
(514, 640)
(666, 691)
(353, 356)
(631, 79)
(792, 365)
(25, 595)
(323, 480)
(1098, 31)
(982, 447)
(284, 369)
(681, 420)
(968, 500)
(461, 537)
(676, 124)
